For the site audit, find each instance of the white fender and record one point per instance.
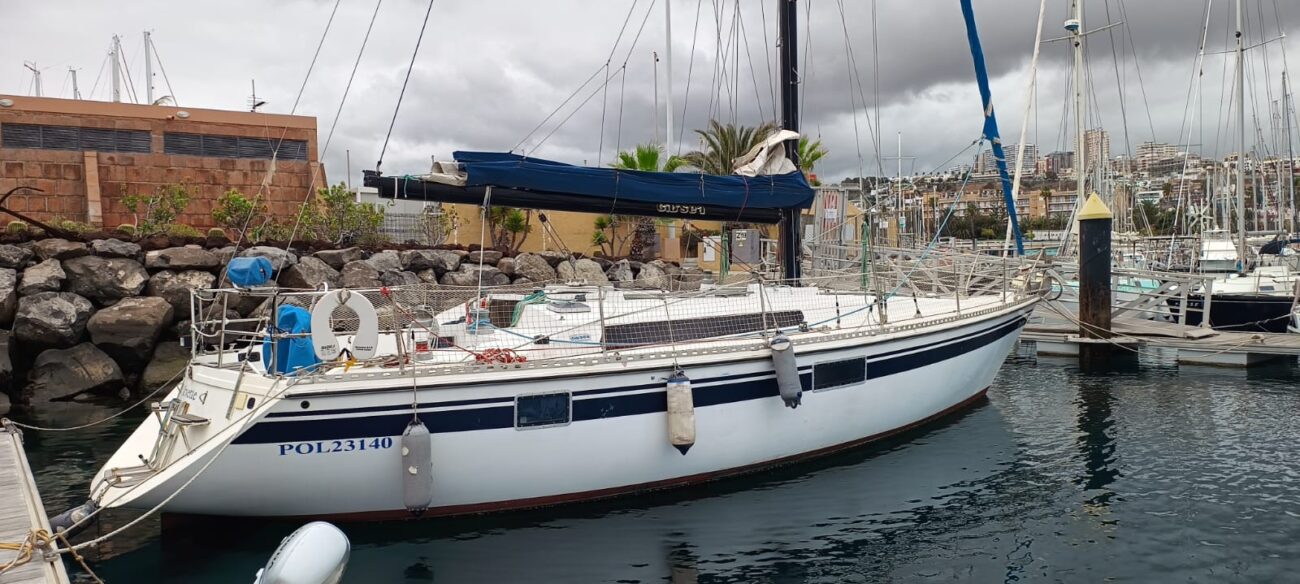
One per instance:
(322, 334)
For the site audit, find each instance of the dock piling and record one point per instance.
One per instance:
(1094, 281)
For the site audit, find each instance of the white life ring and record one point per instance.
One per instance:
(323, 339)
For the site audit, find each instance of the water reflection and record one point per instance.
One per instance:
(1096, 442)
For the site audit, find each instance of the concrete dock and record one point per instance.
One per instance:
(1057, 333)
(21, 513)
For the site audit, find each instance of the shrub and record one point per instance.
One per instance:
(76, 227)
(333, 215)
(16, 228)
(238, 213)
(216, 232)
(154, 213)
(181, 230)
(126, 229)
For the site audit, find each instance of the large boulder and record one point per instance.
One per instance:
(104, 279)
(534, 267)
(621, 272)
(46, 276)
(59, 249)
(360, 274)
(168, 361)
(507, 266)
(8, 295)
(115, 248)
(174, 287)
(6, 370)
(487, 257)
(652, 275)
(279, 258)
(440, 260)
(309, 273)
(472, 275)
(386, 260)
(128, 330)
(554, 257)
(52, 319)
(337, 258)
(13, 256)
(583, 270)
(66, 373)
(399, 278)
(225, 254)
(181, 258)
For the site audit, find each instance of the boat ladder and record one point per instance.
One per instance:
(173, 420)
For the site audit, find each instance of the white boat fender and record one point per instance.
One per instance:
(681, 412)
(315, 553)
(323, 339)
(72, 521)
(787, 370)
(417, 467)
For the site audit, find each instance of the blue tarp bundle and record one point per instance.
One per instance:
(500, 169)
(291, 354)
(249, 272)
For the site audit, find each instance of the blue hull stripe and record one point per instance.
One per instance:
(500, 412)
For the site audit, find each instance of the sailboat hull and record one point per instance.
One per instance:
(1269, 313)
(335, 452)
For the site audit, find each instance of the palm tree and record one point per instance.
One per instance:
(723, 144)
(648, 158)
(810, 151)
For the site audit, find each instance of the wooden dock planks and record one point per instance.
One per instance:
(20, 512)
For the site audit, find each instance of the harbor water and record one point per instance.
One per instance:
(1150, 473)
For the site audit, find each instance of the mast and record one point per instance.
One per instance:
(116, 56)
(787, 36)
(148, 70)
(1241, 146)
(1290, 155)
(76, 92)
(1075, 26)
(36, 77)
(668, 75)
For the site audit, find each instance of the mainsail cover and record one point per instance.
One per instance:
(520, 181)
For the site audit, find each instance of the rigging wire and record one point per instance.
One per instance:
(690, 69)
(163, 69)
(405, 81)
(604, 100)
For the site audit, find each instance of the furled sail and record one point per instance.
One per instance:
(519, 181)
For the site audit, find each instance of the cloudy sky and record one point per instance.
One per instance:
(491, 71)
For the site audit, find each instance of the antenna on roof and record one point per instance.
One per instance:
(36, 76)
(253, 102)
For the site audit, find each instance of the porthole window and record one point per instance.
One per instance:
(832, 374)
(547, 409)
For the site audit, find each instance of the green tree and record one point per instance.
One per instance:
(509, 226)
(647, 158)
(236, 212)
(810, 151)
(723, 144)
(155, 213)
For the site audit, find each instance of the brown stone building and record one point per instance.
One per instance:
(87, 155)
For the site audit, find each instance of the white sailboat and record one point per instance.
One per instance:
(436, 401)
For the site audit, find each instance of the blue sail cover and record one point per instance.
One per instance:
(673, 193)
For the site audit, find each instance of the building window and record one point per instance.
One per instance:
(232, 146)
(73, 138)
(839, 373)
(548, 409)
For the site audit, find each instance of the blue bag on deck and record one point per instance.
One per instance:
(291, 354)
(249, 272)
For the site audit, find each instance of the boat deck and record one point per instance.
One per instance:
(21, 512)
